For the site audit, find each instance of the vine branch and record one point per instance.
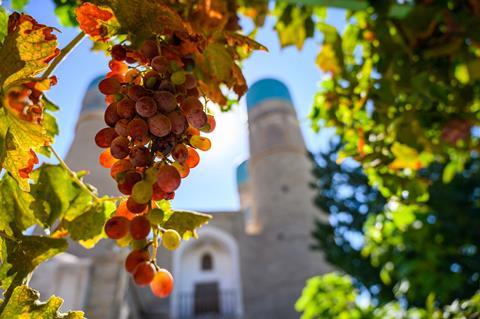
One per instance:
(63, 54)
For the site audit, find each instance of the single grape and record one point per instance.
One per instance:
(193, 159)
(117, 67)
(146, 106)
(200, 142)
(151, 174)
(178, 121)
(138, 128)
(135, 258)
(106, 159)
(166, 101)
(197, 118)
(167, 86)
(125, 184)
(120, 147)
(118, 52)
(193, 93)
(190, 81)
(149, 49)
(142, 192)
(151, 80)
(171, 239)
(182, 169)
(117, 227)
(162, 283)
(140, 156)
(126, 108)
(180, 153)
(155, 216)
(109, 86)
(105, 137)
(192, 131)
(121, 127)
(143, 274)
(178, 77)
(159, 194)
(120, 166)
(159, 125)
(168, 178)
(139, 227)
(133, 76)
(136, 208)
(111, 116)
(136, 91)
(189, 104)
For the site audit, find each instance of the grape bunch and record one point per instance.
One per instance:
(154, 123)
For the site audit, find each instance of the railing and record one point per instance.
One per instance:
(217, 306)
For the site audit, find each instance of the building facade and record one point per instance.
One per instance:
(247, 264)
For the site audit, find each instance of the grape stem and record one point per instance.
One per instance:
(63, 54)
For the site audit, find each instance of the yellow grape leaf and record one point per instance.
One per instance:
(327, 61)
(405, 157)
(22, 140)
(186, 223)
(26, 50)
(142, 18)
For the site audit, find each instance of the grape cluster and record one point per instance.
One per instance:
(154, 122)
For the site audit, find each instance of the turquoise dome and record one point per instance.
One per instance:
(95, 82)
(266, 89)
(93, 99)
(242, 172)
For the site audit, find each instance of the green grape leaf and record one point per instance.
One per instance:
(16, 214)
(219, 62)
(25, 303)
(186, 222)
(3, 24)
(65, 12)
(240, 40)
(87, 228)
(24, 255)
(26, 50)
(57, 196)
(19, 4)
(141, 18)
(294, 24)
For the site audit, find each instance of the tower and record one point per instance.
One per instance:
(278, 205)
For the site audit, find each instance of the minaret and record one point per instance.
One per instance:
(278, 205)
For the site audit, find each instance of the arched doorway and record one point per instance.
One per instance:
(207, 276)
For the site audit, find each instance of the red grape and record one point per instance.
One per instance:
(180, 153)
(139, 227)
(160, 64)
(106, 159)
(140, 156)
(168, 178)
(109, 86)
(137, 128)
(162, 283)
(146, 106)
(166, 101)
(178, 121)
(193, 159)
(111, 116)
(197, 118)
(134, 207)
(126, 108)
(105, 137)
(135, 258)
(120, 166)
(127, 181)
(122, 210)
(190, 82)
(120, 147)
(159, 125)
(143, 274)
(118, 52)
(122, 127)
(136, 91)
(149, 49)
(117, 227)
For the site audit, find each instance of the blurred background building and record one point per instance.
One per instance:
(251, 263)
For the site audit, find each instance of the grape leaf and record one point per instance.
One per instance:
(142, 19)
(24, 303)
(22, 139)
(98, 22)
(26, 50)
(219, 62)
(24, 255)
(237, 39)
(186, 222)
(65, 12)
(88, 227)
(57, 195)
(16, 214)
(294, 24)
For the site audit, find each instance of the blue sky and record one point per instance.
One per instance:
(211, 186)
